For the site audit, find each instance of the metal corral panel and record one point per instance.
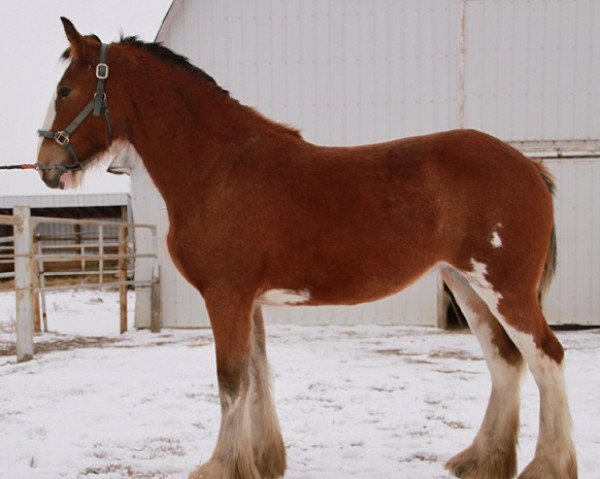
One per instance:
(533, 69)
(574, 296)
(56, 233)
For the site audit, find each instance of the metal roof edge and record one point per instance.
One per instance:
(165, 19)
(66, 201)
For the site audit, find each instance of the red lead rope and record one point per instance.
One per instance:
(30, 166)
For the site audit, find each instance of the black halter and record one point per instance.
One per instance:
(97, 105)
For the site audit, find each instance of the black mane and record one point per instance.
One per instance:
(160, 51)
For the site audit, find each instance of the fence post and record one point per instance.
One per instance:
(37, 324)
(42, 283)
(101, 252)
(123, 276)
(155, 303)
(24, 282)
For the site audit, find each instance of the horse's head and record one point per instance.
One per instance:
(77, 128)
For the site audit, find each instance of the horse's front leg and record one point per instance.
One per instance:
(232, 324)
(269, 450)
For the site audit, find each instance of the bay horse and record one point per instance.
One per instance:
(260, 216)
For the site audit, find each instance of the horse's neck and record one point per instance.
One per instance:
(186, 129)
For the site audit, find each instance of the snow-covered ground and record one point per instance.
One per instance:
(361, 402)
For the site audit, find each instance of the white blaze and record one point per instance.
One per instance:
(48, 119)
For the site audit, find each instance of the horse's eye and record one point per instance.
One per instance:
(63, 92)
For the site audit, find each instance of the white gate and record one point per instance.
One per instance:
(30, 277)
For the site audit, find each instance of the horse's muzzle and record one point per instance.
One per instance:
(52, 178)
(51, 162)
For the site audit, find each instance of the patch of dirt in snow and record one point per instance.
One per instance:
(53, 342)
(60, 344)
(122, 471)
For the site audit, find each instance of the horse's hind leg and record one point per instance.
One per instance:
(517, 308)
(492, 455)
(269, 450)
(555, 454)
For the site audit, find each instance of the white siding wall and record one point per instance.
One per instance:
(351, 71)
(344, 71)
(533, 69)
(575, 293)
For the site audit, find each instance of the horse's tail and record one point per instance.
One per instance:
(552, 257)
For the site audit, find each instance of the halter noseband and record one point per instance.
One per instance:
(97, 105)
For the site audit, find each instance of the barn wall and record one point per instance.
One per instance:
(345, 72)
(533, 69)
(350, 72)
(574, 296)
(334, 69)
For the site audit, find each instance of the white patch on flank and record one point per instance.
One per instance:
(280, 297)
(48, 119)
(496, 240)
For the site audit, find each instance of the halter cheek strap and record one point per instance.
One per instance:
(97, 105)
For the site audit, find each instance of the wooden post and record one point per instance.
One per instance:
(101, 253)
(42, 285)
(37, 326)
(123, 233)
(77, 241)
(24, 283)
(155, 303)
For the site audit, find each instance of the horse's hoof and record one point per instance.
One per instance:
(552, 467)
(224, 470)
(474, 464)
(272, 463)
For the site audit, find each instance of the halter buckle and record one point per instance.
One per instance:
(61, 137)
(102, 71)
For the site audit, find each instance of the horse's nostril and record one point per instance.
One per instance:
(52, 179)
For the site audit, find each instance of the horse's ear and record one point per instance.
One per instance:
(78, 48)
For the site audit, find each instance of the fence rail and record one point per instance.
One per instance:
(30, 256)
